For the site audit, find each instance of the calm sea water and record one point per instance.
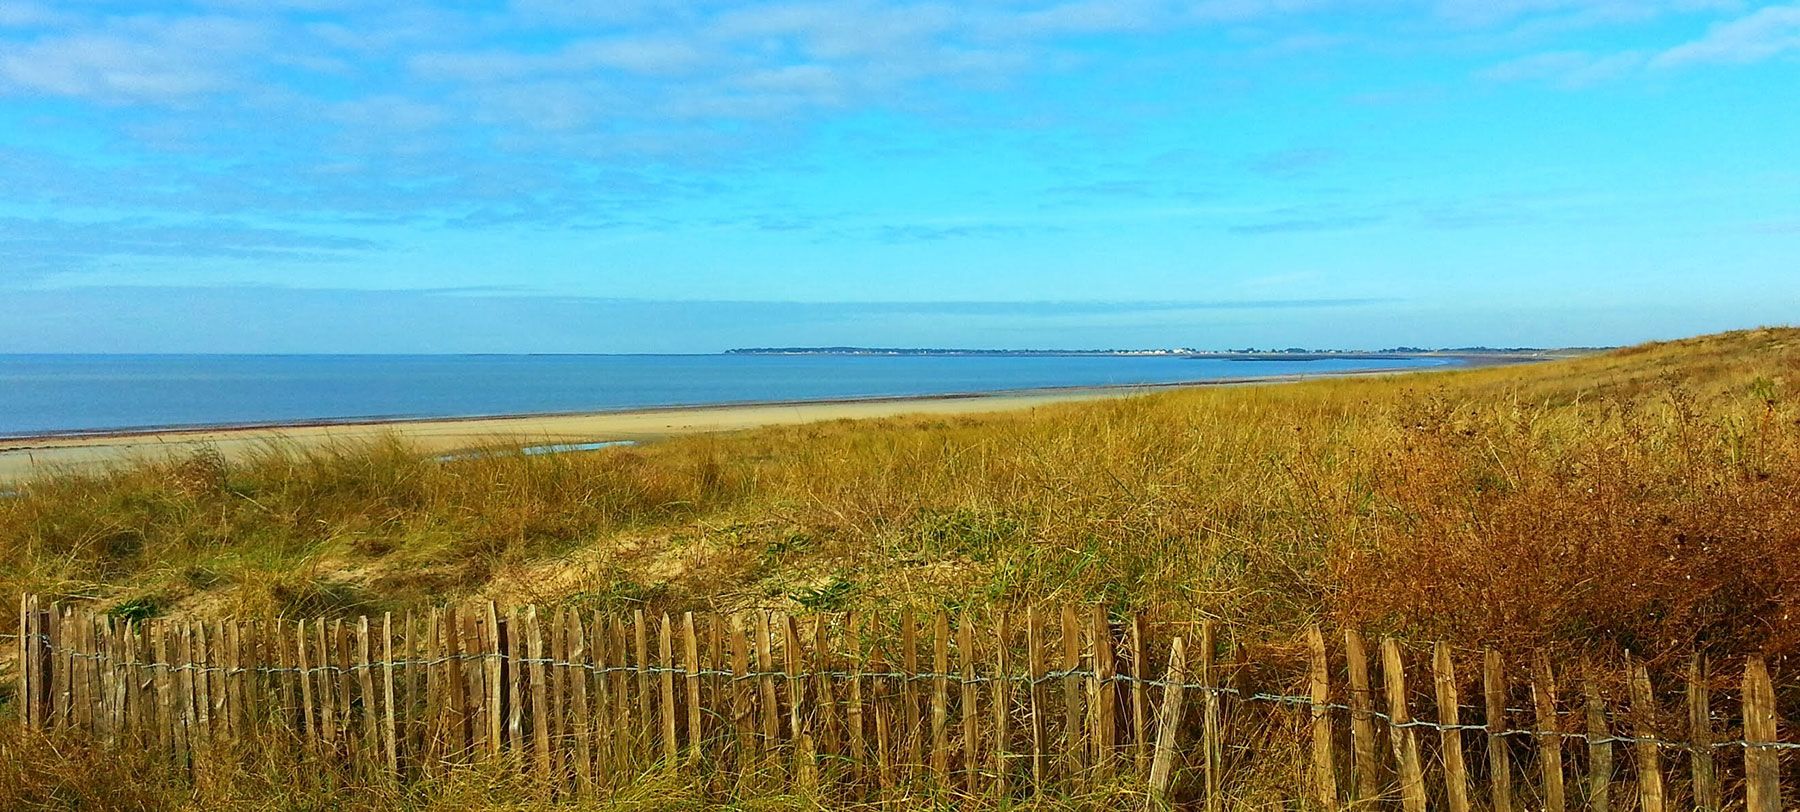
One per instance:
(62, 393)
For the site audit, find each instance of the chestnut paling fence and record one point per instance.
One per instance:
(997, 707)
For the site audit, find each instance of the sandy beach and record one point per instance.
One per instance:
(23, 458)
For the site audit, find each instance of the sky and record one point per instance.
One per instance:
(689, 176)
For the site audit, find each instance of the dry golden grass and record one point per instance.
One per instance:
(1646, 499)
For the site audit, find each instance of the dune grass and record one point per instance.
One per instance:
(1646, 499)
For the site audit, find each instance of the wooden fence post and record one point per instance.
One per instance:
(1002, 680)
(1643, 728)
(1762, 770)
(1493, 689)
(940, 700)
(742, 710)
(690, 640)
(1105, 694)
(27, 651)
(540, 701)
(1600, 749)
(1362, 718)
(366, 682)
(1449, 716)
(854, 711)
(765, 665)
(1543, 698)
(1324, 761)
(971, 725)
(909, 694)
(1212, 722)
(1405, 739)
(1074, 739)
(1168, 726)
(1700, 737)
(390, 727)
(1140, 741)
(1034, 666)
(493, 651)
(665, 646)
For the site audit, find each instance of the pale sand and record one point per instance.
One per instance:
(23, 458)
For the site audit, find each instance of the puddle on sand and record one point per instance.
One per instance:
(537, 450)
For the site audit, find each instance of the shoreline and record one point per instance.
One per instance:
(83, 451)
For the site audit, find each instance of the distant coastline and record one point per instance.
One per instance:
(1249, 354)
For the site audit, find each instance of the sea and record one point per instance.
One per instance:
(54, 394)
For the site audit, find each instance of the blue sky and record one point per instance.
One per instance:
(625, 176)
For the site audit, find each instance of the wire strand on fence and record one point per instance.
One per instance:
(1303, 702)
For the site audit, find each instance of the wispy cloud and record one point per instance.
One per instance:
(1346, 222)
(1763, 34)
(1569, 70)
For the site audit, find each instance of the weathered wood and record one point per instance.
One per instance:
(1103, 693)
(625, 728)
(1549, 739)
(435, 724)
(454, 686)
(59, 658)
(1074, 738)
(1324, 760)
(1212, 719)
(882, 694)
(913, 735)
(796, 688)
(971, 724)
(557, 671)
(412, 678)
(671, 748)
(493, 652)
(742, 702)
(365, 672)
(1403, 737)
(581, 715)
(1034, 668)
(804, 752)
(346, 677)
(940, 699)
(1002, 684)
(389, 721)
(1493, 689)
(1362, 719)
(26, 651)
(1140, 740)
(540, 696)
(516, 655)
(765, 665)
(825, 732)
(604, 733)
(1168, 726)
(1700, 737)
(169, 715)
(308, 720)
(200, 660)
(690, 640)
(1643, 728)
(855, 701)
(1450, 743)
(1600, 750)
(646, 684)
(1762, 769)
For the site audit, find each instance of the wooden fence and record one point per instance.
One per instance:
(851, 708)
